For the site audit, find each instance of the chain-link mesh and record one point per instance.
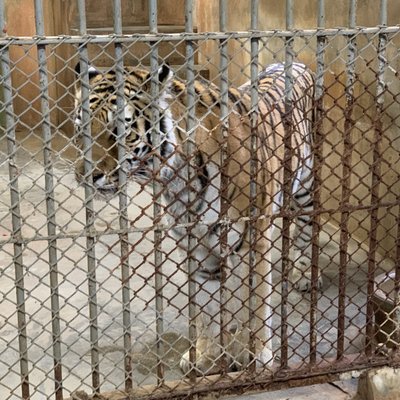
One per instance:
(165, 289)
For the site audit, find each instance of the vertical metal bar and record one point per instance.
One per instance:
(352, 13)
(157, 189)
(189, 150)
(222, 15)
(89, 206)
(50, 202)
(345, 181)
(383, 16)
(82, 17)
(122, 195)
(317, 164)
(253, 233)
(16, 220)
(287, 184)
(224, 206)
(376, 178)
(396, 286)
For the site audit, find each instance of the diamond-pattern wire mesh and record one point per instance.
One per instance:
(308, 329)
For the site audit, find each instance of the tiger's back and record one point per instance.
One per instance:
(269, 132)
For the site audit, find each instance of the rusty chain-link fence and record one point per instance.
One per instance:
(174, 287)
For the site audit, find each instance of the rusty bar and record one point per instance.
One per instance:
(300, 375)
(123, 197)
(375, 180)
(345, 181)
(15, 210)
(317, 165)
(396, 286)
(165, 227)
(189, 151)
(254, 212)
(157, 190)
(287, 186)
(89, 203)
(50, 203)
(224, 206)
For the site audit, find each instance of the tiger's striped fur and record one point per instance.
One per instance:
(201, 198)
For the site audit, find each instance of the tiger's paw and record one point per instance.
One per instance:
(265, 358)
(207, 354)
(237, 354)
(240, 356)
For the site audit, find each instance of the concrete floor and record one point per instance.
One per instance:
(340, 390)
(73, 287)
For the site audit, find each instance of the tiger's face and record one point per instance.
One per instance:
(138, 125)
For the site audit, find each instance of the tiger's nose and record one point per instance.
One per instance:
(98, 179)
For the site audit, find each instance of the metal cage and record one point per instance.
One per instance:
(99, 297)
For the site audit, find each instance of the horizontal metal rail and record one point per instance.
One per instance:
(237, 381)
(166, 227)
(173, 37)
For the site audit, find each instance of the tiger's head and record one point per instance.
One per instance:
(139, 126)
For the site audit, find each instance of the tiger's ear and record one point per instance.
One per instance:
(165, 74)
(92, 70)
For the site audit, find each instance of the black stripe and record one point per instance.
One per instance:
(214, 99)
(309, 204)
(232, 193)
(104, 89)
(215, 228)
(301, 195)
(232, 97)
(305, 220)
(202, 171)
(239, 245)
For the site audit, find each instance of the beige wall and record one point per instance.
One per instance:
(60, 17)
(20, 18)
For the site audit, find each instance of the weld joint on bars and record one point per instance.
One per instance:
(319, 32)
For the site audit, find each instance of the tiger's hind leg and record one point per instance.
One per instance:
(210, 346)
(248, 336)
(302, 204)
(207, 344)
(235, 347)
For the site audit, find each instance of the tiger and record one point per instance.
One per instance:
(234, 189)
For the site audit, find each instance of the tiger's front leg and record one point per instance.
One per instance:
(236, 333)
(300, 275)
(207, 343)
